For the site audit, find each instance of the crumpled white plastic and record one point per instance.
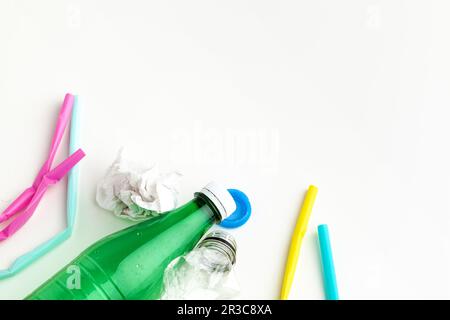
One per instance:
(135, 192)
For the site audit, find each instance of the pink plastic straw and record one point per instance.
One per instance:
(28, 201)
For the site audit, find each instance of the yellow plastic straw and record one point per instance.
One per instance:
(296, 242)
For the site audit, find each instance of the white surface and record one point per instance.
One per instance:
(268, 96)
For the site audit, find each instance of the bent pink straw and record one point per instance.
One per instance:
(28, 201)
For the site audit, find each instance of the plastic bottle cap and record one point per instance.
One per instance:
(221, 198)
(242, 213)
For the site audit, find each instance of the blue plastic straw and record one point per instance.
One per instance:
(72, 206)
(329, 274)
(73, 180)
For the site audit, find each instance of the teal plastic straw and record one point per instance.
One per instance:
(74, 174)
(72, 206)
(329, 274)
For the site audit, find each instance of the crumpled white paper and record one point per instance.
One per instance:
(135, 192)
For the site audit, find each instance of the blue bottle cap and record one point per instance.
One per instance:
(242, 213)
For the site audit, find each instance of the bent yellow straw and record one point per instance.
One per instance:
(296, 242)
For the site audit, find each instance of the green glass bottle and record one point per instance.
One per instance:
(130, 264)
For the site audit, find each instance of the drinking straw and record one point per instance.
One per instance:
(74, 174)
(72, 206)
(296, 242)
(329, 274)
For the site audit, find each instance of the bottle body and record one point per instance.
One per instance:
(130, 264)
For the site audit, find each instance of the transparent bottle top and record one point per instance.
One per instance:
(220, 251)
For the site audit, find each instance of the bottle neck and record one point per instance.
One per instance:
(203, 200)
(214, 259)
(218, 251)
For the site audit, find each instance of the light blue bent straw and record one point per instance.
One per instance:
(329, 274)
(72, 205)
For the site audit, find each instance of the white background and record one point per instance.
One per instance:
(265, 96)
